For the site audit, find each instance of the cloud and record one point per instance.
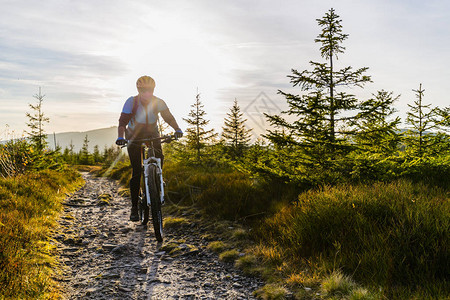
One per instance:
(67, 77)
(86, 55)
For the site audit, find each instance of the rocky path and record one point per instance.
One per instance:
(105, 256)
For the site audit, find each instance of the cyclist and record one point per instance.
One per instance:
(138, 120)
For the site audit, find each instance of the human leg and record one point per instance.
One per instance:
(134, 152)
(158, 151)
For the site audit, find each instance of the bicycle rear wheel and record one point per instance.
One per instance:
(155, 199)
(143, 208)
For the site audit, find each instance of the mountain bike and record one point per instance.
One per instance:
(151, 194)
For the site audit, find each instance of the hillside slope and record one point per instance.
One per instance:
(101, 137)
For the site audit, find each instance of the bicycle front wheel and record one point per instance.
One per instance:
(154, 188)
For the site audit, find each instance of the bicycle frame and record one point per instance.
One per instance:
(146, 162)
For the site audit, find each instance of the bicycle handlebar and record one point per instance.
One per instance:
(164, 139)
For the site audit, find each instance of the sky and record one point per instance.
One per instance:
(86, 55)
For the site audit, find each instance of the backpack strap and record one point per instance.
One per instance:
(135, 106)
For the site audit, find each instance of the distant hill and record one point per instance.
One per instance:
(101, 137)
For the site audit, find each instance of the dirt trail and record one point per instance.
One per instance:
(105, 256)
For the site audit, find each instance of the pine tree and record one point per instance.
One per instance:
(442, 137)
(72, 154)
(325, 114)
(96, 154)
(444, 118)
(85, 157)
(234, 132)
(197, 136)
(36, 123)
(422, 119)
(377, 130)
(65, 154)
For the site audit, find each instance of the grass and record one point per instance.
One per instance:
(222, 193)
(217, 246)
(248, 264)
(389, 236)
(229, 255)
(88, 168)
(104, 199)
(240, 234)
(29, 206)
(337, 285)
(394, 235)
(171, 222)
(272, 292)
(121, 171)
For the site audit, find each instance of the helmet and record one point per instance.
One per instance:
(145, 83)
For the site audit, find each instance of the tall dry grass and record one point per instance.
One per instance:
(29, 206)
(394, 235)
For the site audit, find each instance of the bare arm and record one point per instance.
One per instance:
(169, 119)
(121, 132)
(123, 121)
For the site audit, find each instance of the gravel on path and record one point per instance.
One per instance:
(105, 256)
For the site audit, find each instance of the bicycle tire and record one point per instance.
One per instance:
(143, 209)
(155, 200)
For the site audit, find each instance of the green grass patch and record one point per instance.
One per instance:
(217, 246)
(121, 171)
(124, 192)
(248, 264)
(229, 255)
(88, 168)
(394, 235)
(222, 193)
(172, 222)
(29, 207)
(239, 234)
(362, 294)
(271, 292)
(337, 285)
